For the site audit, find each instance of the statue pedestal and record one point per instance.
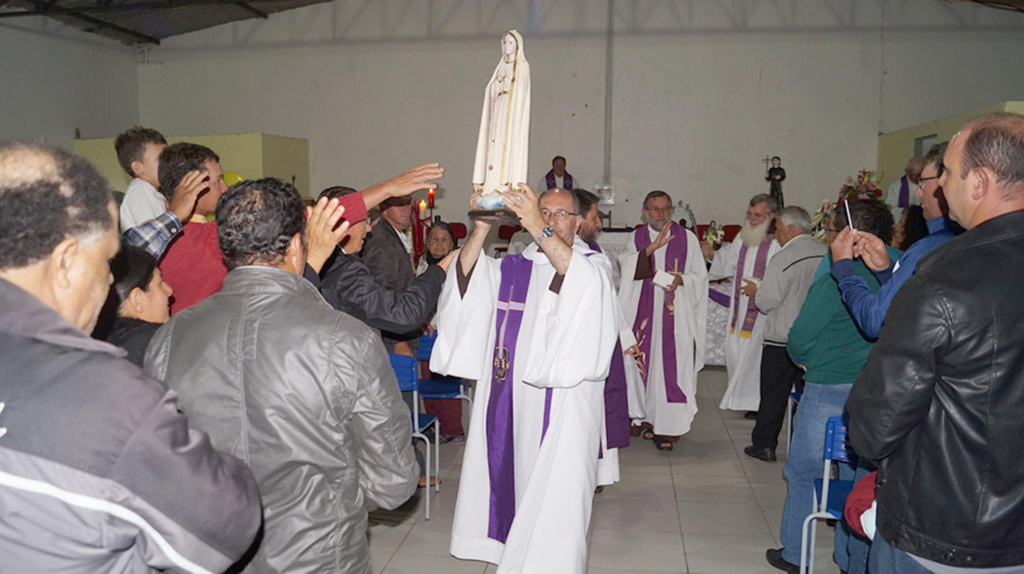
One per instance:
(491, 209)
(495, 216)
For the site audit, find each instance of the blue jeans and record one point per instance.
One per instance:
(805, 463)
(886, 559)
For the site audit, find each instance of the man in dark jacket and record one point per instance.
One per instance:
(388, 255)
(99, 472)
(305, 394)
(349, 286)
(939, 403)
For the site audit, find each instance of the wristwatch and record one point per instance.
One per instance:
(547, 232)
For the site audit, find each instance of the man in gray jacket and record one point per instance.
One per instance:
(99, 472)
(301, 392)
(780, 296)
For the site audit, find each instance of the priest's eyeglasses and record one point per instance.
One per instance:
(557, 214)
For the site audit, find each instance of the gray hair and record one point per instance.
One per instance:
(797, 217)
(773, 205)
(575, 199)
(996, 141)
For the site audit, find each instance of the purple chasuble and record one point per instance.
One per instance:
(904, 192)
(515, 283)
(616, 403)
(675, 262)
(759, 266)
(550, 179)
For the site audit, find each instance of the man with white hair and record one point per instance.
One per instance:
(780, 296)
(745, 261)
(901, 193)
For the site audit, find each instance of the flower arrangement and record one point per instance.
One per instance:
(861, 187)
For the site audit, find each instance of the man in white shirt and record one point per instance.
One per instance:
(138, 152)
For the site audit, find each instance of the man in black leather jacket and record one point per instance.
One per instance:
(349, 286)
(940, 403)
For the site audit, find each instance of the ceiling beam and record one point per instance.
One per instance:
(255, 11)
(100, 24)
(42, 10)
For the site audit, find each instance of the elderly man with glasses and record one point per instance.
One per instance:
(536, 331)
(745, 261)
(664, 295)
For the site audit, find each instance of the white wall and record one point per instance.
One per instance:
(702, 90)
(54, 79)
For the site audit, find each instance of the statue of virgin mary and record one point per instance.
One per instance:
(502, 148)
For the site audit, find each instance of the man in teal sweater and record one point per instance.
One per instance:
(826, 343)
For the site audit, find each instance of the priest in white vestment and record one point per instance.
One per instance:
(623, 390)
(537, 331)
(902, 193)
(744, 261)
(669, 320)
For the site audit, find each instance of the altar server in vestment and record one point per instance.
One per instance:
(902, 192)
(744, 261)
(537, 331)
(623, 391)
(668, 317)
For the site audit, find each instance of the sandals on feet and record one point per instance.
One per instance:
(663, 445)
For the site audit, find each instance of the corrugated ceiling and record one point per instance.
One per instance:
(138, 22)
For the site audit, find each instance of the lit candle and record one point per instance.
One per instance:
(423, 209)
(430, 199)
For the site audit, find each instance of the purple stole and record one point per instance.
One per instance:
(675, 260)
(550, 179)
(616, 403)
(759, 266)
(515, 283)
(904, 200)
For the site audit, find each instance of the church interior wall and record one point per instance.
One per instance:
(702, 91)
(54, 80)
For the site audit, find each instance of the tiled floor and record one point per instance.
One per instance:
(703, 508)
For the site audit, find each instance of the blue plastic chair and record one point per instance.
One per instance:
(829, 495)
(407, 372)
(442, 387)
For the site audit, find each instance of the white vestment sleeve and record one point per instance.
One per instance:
(726, 259)
(576, 330)
(629, 299)
(465, 325)
(694, 295)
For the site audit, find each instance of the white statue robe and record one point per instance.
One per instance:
(690, 315)
(503, 143)
(563, 352)
(742, 354)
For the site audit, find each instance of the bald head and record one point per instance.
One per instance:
(914, 168)
(984, 169)
(47, 195)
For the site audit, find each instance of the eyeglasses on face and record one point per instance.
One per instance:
(921, 182)
(557, 214)
(658, 209)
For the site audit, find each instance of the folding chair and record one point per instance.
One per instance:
(794, 399)
(829, 495)
(442, 387)
(406, 371)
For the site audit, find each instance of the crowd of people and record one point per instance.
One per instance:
(198, 379)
